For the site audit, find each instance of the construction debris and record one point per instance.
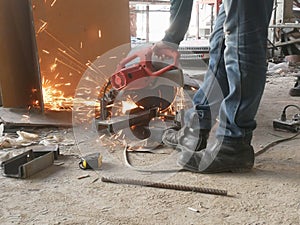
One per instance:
(24, 139)
(27, 164)
(83, 176)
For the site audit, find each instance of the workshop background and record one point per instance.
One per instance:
(80, 144)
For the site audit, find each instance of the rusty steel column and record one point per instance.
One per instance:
(70, 34)
(19, 71)
(0, 96)
(198, 19)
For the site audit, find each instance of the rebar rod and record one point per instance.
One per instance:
(164, 185)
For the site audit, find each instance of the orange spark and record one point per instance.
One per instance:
(45, 51)
(52, 4)
(128, 105)
(55, 99)
(43, 27)
(53, 66)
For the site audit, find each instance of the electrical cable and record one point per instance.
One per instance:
(268, 146)
(283, 114)
(282, 118)
(128, 164)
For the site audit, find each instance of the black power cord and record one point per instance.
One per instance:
(291, 125)
(268, 146)
(284, 124)
(283, 114)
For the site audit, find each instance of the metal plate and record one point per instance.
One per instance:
(19, 75)
(27, 164)
(70, 34)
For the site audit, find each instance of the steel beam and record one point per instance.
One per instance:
(72, 33)
(52, 39)
(19, 72)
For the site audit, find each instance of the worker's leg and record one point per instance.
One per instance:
(246, 28)
(208, 98)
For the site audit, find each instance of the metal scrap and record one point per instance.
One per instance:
(165, 185)
(83, 176)
(26, 164)
(193, 209)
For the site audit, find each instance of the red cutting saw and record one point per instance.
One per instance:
(139, 75)
(144, 68)
(150, 83)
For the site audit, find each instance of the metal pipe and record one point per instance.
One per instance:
(212, 18)
(147, 22)
(274, 23)
(198, 19)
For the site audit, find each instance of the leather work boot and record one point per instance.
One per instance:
(190, 138)
(295, 91)
(221, 157)
(191, 135)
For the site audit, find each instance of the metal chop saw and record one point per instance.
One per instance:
(148, 84)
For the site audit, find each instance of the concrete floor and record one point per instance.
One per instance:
(269, 194)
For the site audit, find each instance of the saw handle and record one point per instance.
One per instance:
(174, 54)
(145, 56)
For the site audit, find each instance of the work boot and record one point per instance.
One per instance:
(221, 157)
(295, 91)
(171, 136)
(191, 138)
(191, 135)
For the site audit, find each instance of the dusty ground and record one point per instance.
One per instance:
(270, 194)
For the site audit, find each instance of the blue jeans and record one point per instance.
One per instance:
(235, 80)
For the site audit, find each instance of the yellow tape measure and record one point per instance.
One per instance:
(92, 161)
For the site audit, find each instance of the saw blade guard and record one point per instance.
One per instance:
(140, 65)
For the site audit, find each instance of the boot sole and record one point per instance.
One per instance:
(295, 92)
(222, 170)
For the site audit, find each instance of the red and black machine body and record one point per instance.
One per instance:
(152, 86)
(142, 69)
